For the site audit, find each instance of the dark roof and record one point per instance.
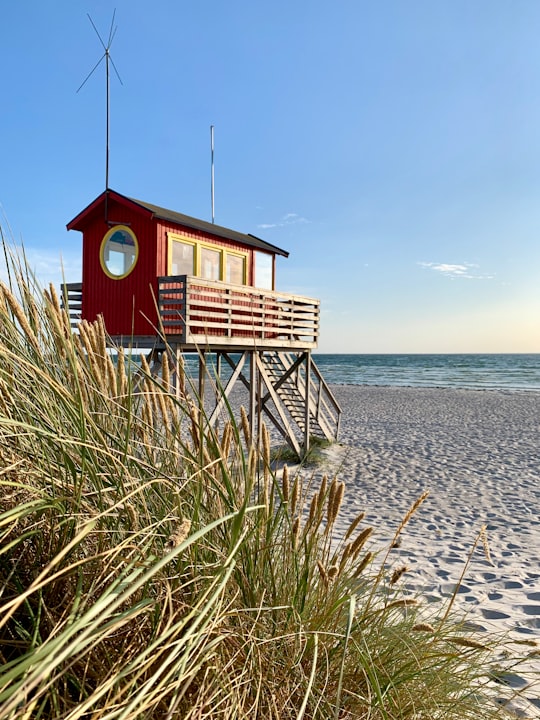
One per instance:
(187, 221)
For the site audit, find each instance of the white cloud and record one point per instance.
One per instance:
(287, 219)
(45, 266)
(467, 271)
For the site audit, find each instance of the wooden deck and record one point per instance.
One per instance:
(201, 312)
(195, 313)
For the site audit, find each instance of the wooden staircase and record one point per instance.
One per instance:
(288, 388)
(302, 390)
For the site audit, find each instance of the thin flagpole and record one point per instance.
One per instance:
(212, 168)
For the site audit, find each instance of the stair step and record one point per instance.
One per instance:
(293, 394)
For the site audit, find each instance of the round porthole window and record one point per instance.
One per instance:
(119, 252)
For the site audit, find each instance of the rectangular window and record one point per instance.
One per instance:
(210, 264)
(182, 258)
(264, 271)
(201, 259)
(235, 269)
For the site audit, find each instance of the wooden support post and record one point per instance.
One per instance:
(253, 405)
(219, 388)
(202, 378)
(307, 415)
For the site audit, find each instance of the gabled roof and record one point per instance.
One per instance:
(161, 213)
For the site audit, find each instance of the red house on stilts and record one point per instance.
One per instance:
(161, 279)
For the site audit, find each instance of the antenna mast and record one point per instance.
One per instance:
(212, 165)
(108, 59)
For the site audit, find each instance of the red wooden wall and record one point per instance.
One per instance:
(128, 304)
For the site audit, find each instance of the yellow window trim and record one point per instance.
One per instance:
(198, 245)
(104, 242)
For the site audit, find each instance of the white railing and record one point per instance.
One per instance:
(204, 312)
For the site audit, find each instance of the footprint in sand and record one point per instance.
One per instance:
(487, 576)
(450, 588)
(513, 584)
(531, 609)
(493, 614)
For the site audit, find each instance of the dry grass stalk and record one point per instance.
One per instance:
(54, 300)
(295, 496)
(163, 408)
(57, 317)
(121, 377)
(285, 484)
(322, 573)
(245, 426)
(295, 532)
(467, 642)
(333, 571)
(360, 541)
(398, 573)
(368, 557)
(411, 511)
(112, 376)
(226, 440)
(335, 498)
(32, 310)
(252, 462)
(485, 544)
(20, 315)
(313, 511)
(165, 372)
(194, 415)
(423, 627)
(403, 602)
(133, 517)
(321, 495)
(354, 524)
(265, 453)
(265, 444)
(344, 557)
(179, 536)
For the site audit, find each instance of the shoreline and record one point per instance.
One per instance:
(495, 389)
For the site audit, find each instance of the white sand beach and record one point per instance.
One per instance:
(478, 454)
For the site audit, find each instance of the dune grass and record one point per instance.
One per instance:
(154, 567)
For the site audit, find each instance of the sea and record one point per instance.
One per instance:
(512, 372)
(516, 372)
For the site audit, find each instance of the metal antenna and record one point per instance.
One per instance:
(108, 59)
(212, 164)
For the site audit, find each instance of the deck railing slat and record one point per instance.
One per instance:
(197, 308)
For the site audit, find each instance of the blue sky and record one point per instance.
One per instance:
(391, 146)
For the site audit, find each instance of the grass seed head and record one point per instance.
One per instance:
(397, 574)
(333, 572)
(295, 497)
(364, 562)
(296, 532)
(485, 544)
(360, 541)
(179, 536)
(285, 483)
(467, 642)
(322, 573)
(423, 627)
(354, 524)
(245, 426)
